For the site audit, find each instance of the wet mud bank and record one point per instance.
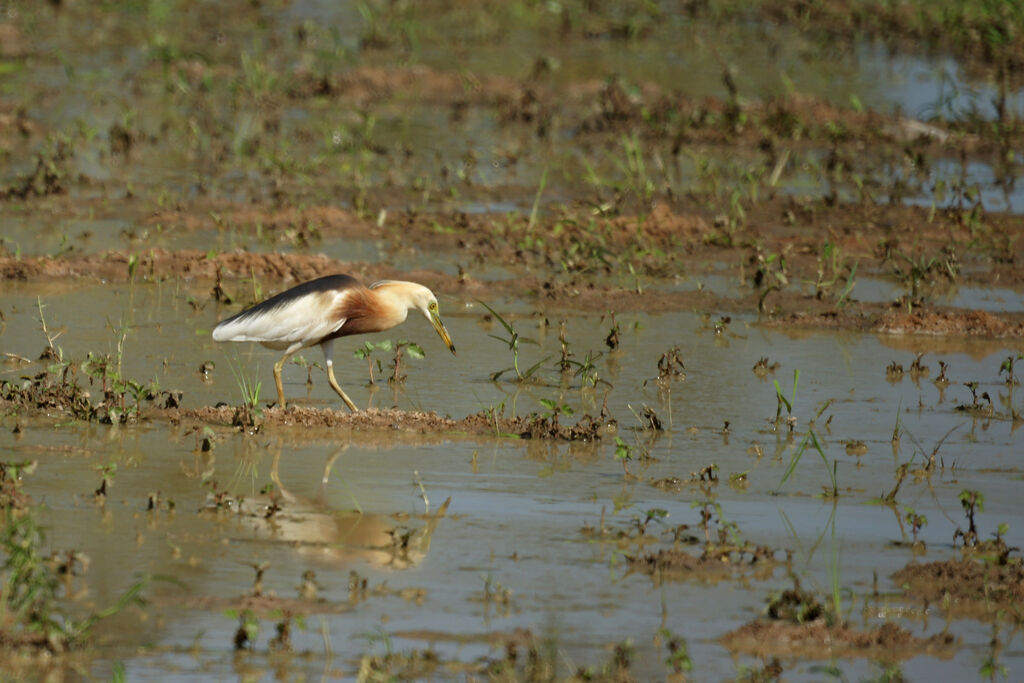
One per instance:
(222, 274)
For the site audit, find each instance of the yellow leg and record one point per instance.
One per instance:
(334, 385)
(278, 366)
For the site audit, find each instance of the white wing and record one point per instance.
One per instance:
(303, 320)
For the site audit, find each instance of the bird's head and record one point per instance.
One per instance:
(428, 305)
(419, 297)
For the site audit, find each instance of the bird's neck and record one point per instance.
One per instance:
(392, 307)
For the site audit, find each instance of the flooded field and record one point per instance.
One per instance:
(739, 309)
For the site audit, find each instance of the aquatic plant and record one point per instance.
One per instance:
(365, 352)
(972, 502)
(30, 611)
(916, 521)
(413, 350)
(810, 439)
(781, 400)
(513, 340)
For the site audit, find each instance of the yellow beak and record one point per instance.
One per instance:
(435, 320)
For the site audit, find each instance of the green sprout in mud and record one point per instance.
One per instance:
(1007, 367)
(991, 668)
(564, 363)
(972, 502)
(911, 270)
(107, 473)
(248, 630)
(513, 340)
(586, 370)
(670, 365)
(633, 168)
(52, 352)
(831, 269)
(770, 275)
(781, 400)
(623, 453)
(612, 340)
(707, 508)
(976, 406)
(678, 660)
(365, 352)
(810, 439)
(249, 388)
(916, 521)
(652, 515)
(413, 349)
(303, 362)
(554, 409)
(633, 180)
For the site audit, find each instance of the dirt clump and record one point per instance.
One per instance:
(380, 419)
(969, 586)
(818, 640)
(797, 624)
(949, 323)
(714, 562)
(42, 393)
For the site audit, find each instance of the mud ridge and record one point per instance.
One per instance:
(377, 419)
(979, 589)
(817, 640)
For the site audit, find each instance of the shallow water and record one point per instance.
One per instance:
(518, 508)
(516, 515)
(465, 163)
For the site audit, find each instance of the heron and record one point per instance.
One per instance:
(324, 309)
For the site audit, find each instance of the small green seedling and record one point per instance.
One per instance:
(555, 409)
(780, 399)
(413, 350)
(915, 520)
(1007, 367)
(972, 502)
(623, 453)
(513, 340)
(654, 514)
(366, 353)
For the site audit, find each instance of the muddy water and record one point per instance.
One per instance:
(517, 508)
(510, 551)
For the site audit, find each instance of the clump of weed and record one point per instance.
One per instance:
(13, 498)
(922, 273)
(762, 368)
(981, 406)
(49, 176)
(612, 340)
(894, 372)
(391, 665)
(917, 522)
(513, 340)
(546, 426)
(771, 274)
(32, 618)
(972, 502)
(795, 605)
(670, 365)
(52, 389)
(412, 349)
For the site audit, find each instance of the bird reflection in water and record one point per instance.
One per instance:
(323, 534)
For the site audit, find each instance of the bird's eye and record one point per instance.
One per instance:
(433, 306)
